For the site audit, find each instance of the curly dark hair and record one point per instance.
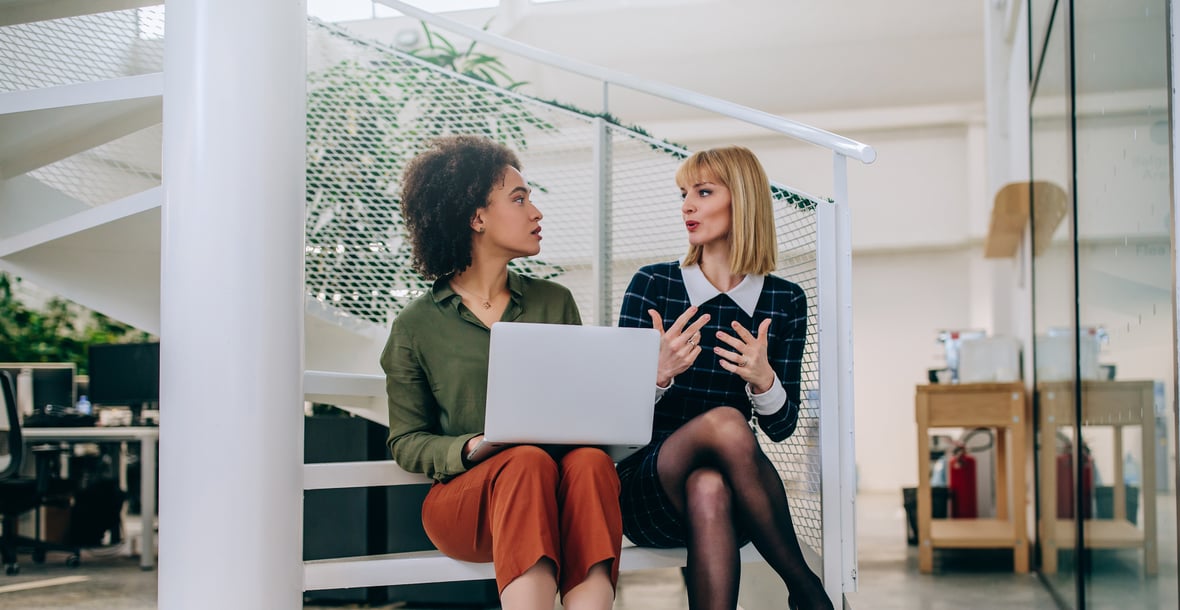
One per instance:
(440, 192)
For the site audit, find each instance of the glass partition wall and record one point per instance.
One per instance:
(1054, 282)
(1103, 308)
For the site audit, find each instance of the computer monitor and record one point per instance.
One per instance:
(124, 374)
(53, 382)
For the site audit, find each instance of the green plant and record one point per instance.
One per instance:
(61, 332)
(469, 62)
(365, 120)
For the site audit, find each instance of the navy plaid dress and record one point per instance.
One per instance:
(649, 518)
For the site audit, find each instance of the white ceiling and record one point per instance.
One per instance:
(781, 56)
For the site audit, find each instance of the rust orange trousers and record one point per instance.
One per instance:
(521, 504)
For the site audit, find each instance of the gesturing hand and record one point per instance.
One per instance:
(749, 360)
(679, 346)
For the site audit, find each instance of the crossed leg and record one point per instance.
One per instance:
(716, 475)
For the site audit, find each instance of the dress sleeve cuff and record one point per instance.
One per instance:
(770, 401)
(660, 391)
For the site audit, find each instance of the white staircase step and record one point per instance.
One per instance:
(343, 475)
(359, 394)
(392, 569)
(83, 221)
(13, 12)
(41, 126)
(107, 262)
(432, 566)
(81, 94)
(420, 566)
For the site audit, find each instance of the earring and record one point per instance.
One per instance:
(479, 230)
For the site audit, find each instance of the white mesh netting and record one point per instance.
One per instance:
(372, 108)
(109, 171)
(81, 49)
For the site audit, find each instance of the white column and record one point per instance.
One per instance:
(231, 331)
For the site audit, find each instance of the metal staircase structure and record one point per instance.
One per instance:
(81, 199)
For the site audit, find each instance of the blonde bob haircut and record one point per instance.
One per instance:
(752, 240)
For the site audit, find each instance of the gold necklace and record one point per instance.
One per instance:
(486, 303)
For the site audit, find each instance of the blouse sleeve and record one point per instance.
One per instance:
(413, 415)
(786, 357)
(571, 315)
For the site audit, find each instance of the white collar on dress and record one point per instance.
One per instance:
(745, 294)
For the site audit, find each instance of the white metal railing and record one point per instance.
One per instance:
(807, 133)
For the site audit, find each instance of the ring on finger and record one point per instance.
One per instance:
(744, 361)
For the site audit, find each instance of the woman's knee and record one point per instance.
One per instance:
(587, 459)
(729, 427)
(528, 461)
(590, 463)
(707, 495)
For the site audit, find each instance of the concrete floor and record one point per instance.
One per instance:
(888, 569)
(888, 575)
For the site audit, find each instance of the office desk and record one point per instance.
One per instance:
(990, 405)
(148, 438)
(1104, 403)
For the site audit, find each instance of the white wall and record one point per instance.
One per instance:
(900, 300)
(914, 196)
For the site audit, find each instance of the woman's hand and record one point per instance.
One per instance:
(679, 346)
(471, 444)
(748, 359)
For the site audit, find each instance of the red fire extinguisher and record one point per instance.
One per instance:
(964, 501)
(1065, 476)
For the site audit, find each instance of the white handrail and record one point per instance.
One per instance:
(839, 144)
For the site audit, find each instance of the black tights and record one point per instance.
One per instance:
(716, 475)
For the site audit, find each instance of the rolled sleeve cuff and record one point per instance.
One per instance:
(660, 391)
(457, 457)
(770, 401)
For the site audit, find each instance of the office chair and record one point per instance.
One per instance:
(19, 494)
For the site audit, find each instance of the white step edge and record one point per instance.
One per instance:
(15, 12)
(86, 219)
(344, 384)
(360, 394)
(344, 475)
(432, 566)
(79, 94)
(393, 569)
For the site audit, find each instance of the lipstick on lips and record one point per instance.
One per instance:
(537, 232)
(691, 225)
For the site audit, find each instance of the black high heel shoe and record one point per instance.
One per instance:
(817, 600)
(825, 604)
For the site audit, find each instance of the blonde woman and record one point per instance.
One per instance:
(731, 353)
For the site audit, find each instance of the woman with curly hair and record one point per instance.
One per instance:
(548, 524)
(730, 355)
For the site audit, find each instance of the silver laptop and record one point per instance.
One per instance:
(556, 384)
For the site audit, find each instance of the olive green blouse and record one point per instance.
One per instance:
(436, 369)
